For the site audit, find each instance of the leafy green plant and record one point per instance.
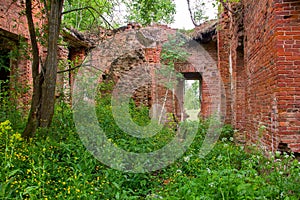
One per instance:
(227, 133)
(9, 106)
(172, 52)
(56, 165)
(87, 15)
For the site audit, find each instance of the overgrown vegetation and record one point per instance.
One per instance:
(56, 165)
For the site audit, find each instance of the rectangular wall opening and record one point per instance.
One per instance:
(4, 70)
(8, 42)
(192, 95)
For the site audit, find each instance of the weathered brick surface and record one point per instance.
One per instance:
(288, 71)
(14, 36)
(259, 62)
(12, 17)
(13, 31)
(129, 49)
(135, 55)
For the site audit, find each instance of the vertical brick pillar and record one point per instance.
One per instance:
(206, 100)
(223, 61)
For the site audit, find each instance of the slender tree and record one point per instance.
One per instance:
(44, 80)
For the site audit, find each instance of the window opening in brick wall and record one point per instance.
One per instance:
(4, 69)
(8, 44)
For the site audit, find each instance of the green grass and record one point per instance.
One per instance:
(56, 165)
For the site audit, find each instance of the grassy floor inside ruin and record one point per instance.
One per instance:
(56, 165)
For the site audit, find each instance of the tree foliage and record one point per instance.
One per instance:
(86, 14)
(150, 11)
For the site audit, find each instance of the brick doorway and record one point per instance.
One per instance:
(192, 95)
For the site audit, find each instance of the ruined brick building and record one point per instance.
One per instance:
(15, 48)
(248, 62)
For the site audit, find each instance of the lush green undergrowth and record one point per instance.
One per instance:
(56, 165)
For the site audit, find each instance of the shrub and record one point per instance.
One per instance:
(56, 165)
(227, 132)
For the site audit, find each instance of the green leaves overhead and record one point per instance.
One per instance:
(149, 11)
(86, 14)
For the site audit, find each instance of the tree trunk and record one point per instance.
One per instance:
(44, 82)
(49, 84)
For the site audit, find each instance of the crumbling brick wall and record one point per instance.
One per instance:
(12, 31)
(14, 36)
(134, 54)
(149, 44)
(259, 62)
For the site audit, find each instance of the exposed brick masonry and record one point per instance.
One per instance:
(259, 59)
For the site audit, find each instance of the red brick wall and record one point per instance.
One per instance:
(259, 63)
(122, 58)
(260, 73)
(207, 99)
(288, 75)
(12, 17)
(13, 22)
